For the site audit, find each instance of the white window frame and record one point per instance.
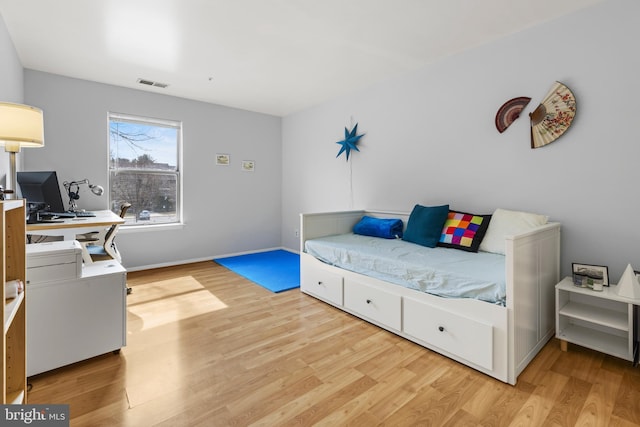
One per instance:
(111, 116)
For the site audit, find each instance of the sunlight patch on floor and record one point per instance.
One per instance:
(168, 301)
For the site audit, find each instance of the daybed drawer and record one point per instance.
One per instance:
(323, 284)
(373, 303)
(456, 334)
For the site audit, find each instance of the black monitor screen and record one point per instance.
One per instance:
(41, 187)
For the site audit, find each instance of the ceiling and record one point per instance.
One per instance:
(269, 56)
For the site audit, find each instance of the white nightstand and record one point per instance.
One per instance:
(602, 321)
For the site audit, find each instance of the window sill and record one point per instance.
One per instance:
(142, 228)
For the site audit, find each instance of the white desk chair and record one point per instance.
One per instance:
(95, 250)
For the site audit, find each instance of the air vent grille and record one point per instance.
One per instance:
(152, 83)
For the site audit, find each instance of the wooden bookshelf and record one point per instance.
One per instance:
(13, 267)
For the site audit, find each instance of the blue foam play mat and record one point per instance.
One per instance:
(277, 270)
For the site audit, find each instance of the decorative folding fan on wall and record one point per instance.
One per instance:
(553, 116)
(510, 111)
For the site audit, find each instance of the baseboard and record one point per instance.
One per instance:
(209, 258)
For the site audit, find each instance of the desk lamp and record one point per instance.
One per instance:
(20, 126)
(73, 190)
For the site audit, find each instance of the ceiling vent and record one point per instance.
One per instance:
(152, 83)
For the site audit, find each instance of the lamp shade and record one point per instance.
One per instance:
(20, 126)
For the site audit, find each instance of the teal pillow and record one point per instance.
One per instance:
(425, 225)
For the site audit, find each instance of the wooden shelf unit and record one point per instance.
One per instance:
(601, 321)
(13, 267)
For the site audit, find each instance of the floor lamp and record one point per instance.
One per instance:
(20, 126)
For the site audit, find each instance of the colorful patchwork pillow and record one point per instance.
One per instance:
(464, 231)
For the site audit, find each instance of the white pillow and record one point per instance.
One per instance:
(506, 223)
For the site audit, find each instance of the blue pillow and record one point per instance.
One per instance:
(425, 225)
(388, 228)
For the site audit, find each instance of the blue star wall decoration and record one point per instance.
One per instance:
(350, 141)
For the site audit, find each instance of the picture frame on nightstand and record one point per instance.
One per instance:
(585, 275)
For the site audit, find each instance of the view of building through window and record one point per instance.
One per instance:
(144, 169)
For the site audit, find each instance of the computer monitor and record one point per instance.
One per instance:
(41, 187)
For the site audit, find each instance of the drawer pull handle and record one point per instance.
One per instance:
(319, 283)
(441, 328)
(368, 301)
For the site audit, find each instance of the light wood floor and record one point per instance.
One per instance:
(209, 348)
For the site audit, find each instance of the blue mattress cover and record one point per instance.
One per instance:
(439, 271)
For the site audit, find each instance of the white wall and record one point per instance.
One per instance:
(226, 210)
(430, 138)
(11, 83)
(11, 86)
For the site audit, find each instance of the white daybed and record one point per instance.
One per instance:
(499, 340)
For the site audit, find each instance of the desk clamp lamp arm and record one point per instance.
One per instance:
(73, 190)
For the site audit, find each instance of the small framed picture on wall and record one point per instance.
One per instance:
(248, 165)
(222, 159)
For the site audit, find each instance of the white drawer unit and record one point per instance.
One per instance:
(323, 284)
(75, 319)
(373, 303)
(601, 321)
(453, 333)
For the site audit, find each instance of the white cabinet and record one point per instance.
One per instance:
(602, 321)
(72, 319)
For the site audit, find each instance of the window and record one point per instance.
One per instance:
(144, 169)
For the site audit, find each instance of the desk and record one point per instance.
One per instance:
(70, 227)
